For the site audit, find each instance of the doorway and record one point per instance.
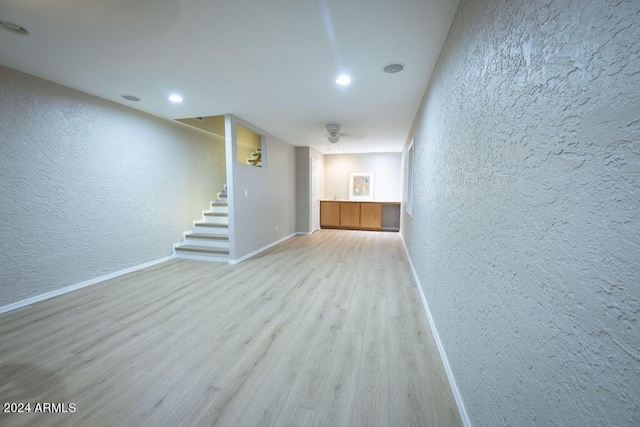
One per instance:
(316, 182)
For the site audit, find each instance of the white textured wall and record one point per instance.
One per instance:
(270, 199)
(526, 225)
(386, 168)
(89, 187)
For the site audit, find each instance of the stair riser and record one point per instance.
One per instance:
(217, 220)
(206, 242)
(220, 209)
(210, 230)
(202, 257)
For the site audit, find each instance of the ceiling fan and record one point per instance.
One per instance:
(334, 133)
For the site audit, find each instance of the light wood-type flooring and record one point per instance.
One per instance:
(321, 330)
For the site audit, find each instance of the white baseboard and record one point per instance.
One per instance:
(443, 355)
(262, 249)
(67, 289)
(202, 257)
(303, 233)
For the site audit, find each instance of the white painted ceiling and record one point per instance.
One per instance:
(271, 63)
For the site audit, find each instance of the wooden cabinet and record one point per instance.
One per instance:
(351, 215)
(371, 216)
(329, 214)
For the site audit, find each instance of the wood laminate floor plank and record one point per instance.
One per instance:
(376, 337)
(238, 394)
(326, 329)
(310, 382)
(358, 309)
(294, 416)
(372, 400)
(336, 406)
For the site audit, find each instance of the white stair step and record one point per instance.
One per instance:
(210, 228)
(202, 249)
(212, 225)
(220, 209)
(203, 253)
(209, 240)
(208, 236)
(216, 218)
(202, 257)
(217, 214)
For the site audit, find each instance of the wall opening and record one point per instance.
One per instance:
(249, 147)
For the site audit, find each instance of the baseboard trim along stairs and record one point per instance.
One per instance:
(209, 238)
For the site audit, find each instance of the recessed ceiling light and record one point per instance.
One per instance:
(175, 98)
(343, 80)
(131, 98)
(394, 67)
(14, 28)
(380, 149)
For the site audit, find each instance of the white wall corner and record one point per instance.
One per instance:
(443, 355)
(86, 283)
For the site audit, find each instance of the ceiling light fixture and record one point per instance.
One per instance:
(175, 98)
(343, 80)
(14, 28)
(394, 67)
(131, 98)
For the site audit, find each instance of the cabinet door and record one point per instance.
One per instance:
(329, 214)
(350, 215)
(371, 216)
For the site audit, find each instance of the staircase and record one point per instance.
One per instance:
(256, 158)
(209, 239)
